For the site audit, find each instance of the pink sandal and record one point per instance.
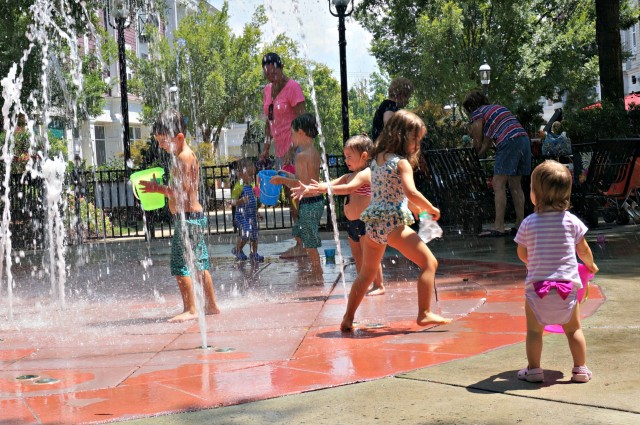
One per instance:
(531, 375)
(581, 374)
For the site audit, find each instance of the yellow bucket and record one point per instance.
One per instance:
(148, 201)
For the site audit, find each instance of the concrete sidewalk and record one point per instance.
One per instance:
(484, 389)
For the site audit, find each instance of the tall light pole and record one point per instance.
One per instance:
(485, 77)
(452, 103)
(118, 11)
(343, 8)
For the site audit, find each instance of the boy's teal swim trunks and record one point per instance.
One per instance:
(194, 226)
(309, 215)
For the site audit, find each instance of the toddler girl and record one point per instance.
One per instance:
(548, 241)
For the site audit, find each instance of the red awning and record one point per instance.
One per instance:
(630, 99)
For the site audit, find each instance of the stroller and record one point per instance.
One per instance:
(607, 181)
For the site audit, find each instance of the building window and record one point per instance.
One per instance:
(633, 40)
(101, 152)
(135, 133)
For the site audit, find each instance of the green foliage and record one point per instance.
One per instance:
(57, 147)
(534, 47)
(97, 221)
(255, 133)
(442, 131)
(361, 108)
(217, 73)
(608, 121)
(24, 51)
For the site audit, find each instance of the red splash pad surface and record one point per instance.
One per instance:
(118, 359)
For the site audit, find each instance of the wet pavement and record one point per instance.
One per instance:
(110, 355)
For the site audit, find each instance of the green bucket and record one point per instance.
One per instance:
(148, 201)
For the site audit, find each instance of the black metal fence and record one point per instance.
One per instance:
(101, 205)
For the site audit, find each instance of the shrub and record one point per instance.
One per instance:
(607, 121)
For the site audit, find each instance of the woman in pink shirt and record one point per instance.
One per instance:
(282, 102)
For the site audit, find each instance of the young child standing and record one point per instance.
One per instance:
(189, 219)
(246, 214)
(387, 218)
(548, 241)
(357, 185)
(304, 131)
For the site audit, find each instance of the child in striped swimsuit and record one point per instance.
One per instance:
(548, 241)
(357, 185)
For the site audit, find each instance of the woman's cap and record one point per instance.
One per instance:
(272, 58)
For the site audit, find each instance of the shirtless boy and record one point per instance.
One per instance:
(189, 219)
(304, 130)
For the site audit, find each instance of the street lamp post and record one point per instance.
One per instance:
(343, 8)
(119, 11)
(485, 77)
(452, 102)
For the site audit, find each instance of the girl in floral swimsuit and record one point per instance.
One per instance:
(388, 217)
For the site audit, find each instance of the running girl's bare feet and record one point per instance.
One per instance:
(376, 291)
(346, 325)
(429, 318)
(183, 317)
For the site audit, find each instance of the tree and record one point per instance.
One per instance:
(610, 51)
(535, 47)
(217, 73)
(74, 81)
(361, 106)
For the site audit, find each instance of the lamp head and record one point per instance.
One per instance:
(119, 9)
(173, 95)
(485, 73)
(341, 7)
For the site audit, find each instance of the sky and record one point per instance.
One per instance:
(319, 31)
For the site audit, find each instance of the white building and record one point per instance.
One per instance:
(631, 66)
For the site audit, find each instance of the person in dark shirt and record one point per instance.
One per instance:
(400, 90)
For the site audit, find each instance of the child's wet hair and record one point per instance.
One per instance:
(359, 143)
(170, 122)
(307, 123)
(551, 185)
(401, 126)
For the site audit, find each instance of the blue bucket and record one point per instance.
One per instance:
(269, 193)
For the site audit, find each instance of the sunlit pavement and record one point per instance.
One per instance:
(110, 355)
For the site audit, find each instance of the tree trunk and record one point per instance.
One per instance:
(610, 50)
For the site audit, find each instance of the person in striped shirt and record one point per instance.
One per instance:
(548, 241)
(495, 125)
